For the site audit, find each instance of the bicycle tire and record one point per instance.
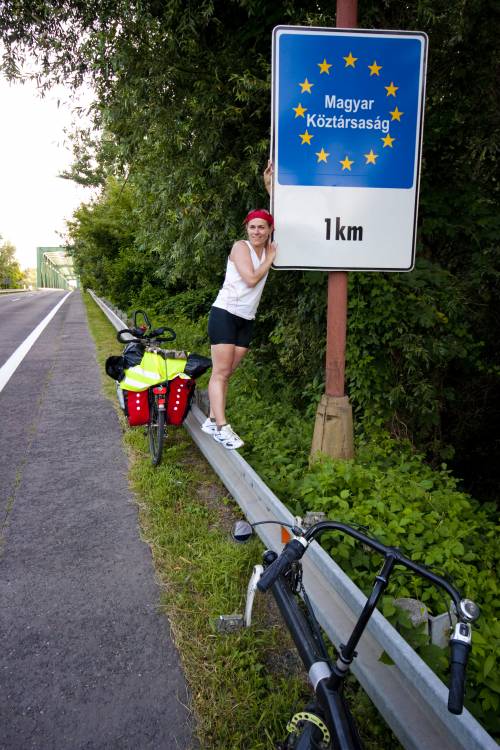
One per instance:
(156, 431)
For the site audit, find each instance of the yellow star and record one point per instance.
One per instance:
(391, 90)
(374, 68)
(306, 138)
(324, 67)
(346, 163)
(350, 60)
(322, 155)
(388, 141)
(305, 87)
(396, 114)
(371, 157)
(299, 110)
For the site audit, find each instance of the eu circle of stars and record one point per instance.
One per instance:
(347, 110)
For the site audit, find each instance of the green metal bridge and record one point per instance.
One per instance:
(54, 269)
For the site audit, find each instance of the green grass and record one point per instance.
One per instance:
(244, 686)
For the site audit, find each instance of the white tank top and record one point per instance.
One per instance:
(235, 295)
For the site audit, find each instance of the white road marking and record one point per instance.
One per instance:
(15, 359)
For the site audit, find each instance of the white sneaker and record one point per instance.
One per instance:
(227, 437)
(209, 427)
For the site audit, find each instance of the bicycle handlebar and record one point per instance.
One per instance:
(144, 315)
(141, 337)
(467, 611)
(159, 332)
(315, 531)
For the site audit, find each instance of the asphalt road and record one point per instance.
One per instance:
(86, 659)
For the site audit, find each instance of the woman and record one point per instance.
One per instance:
(231, 318)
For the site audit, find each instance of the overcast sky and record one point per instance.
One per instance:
(34, 201)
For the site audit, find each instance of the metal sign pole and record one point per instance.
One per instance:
(333, 429)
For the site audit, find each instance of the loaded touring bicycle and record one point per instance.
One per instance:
(155, 386)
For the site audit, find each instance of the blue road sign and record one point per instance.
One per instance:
(348, 110)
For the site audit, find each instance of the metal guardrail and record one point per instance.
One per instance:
(115, 316)
(410, 697)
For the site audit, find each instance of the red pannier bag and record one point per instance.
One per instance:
(180, 395)
(137, 407)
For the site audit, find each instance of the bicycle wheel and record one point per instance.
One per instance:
(156, 431)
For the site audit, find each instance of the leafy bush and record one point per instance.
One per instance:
(390, 490)
(407, 344)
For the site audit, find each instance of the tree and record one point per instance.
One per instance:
(29, 277)
(11, 275)
(102, 243)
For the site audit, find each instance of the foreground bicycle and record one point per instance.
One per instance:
(155, 386)
(327, 723)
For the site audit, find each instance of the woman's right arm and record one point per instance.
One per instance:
(268, 176)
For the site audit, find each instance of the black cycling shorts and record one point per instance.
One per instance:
(226, 328)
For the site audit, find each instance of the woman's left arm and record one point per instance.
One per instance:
(240, 255)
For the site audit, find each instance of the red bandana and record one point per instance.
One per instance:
(260, 213)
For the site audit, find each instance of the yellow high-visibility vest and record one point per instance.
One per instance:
(153, 369)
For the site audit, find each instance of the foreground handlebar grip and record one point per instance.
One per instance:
(292, 552)
(460, 646)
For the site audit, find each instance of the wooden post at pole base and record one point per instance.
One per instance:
(333, 432)
(333, 429)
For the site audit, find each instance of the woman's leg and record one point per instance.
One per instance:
(239, 353)
(222, 363)
(225, 360)
(225, 357)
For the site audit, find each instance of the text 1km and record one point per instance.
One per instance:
(343, 232)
